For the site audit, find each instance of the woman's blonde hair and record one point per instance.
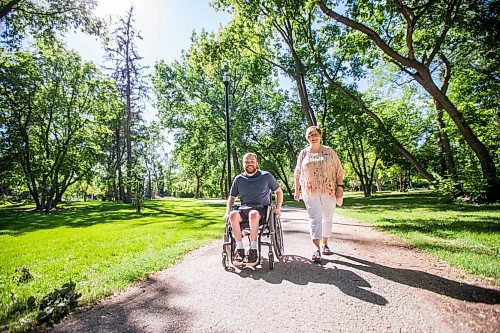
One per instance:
(312, 129)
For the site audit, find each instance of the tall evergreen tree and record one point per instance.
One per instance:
(128, 74)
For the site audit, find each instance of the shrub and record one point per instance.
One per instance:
(58, 304)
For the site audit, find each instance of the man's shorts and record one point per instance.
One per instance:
(245, 210)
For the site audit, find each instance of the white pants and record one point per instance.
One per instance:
(320, 209)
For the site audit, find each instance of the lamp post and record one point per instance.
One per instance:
(225, 79)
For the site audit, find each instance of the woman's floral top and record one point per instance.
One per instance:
(318, 172)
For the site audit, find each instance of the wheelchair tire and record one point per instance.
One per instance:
(271, 260)
(225, 260)
(277, 239)
(227, 248)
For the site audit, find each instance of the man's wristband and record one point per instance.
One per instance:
(340, 185)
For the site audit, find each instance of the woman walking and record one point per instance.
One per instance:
(319, 177)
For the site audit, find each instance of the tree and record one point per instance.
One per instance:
(190, 98)
(415, 37)
(45, 18)
(264, 27)
(54, 105)
(268, 29)
(129, 78)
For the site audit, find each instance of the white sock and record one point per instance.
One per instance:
(253, 245)
(239, 245)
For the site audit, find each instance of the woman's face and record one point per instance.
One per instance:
(313, 137)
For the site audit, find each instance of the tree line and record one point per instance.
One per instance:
(428, 115)
(406, 92)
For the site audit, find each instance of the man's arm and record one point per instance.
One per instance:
(229, 206)
(279, 200)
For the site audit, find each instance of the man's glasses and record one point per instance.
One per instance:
(313, 135)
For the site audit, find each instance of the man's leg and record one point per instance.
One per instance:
(253, 219)
(235, 220)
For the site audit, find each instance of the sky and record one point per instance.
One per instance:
(165, 25)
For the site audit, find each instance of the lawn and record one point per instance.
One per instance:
(102, 246)
(466, 236)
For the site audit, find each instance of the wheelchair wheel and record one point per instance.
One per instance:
(277, 239)
(225, 260)
(271, 260)
(227, 250)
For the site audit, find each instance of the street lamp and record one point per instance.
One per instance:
(225, 79)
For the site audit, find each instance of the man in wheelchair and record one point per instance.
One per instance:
(252, 187)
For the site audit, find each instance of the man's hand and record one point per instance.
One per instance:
(226, 216)
(278, 212)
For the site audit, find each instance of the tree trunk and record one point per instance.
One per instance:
(397, 145)
(128, 124)
(121, 191)
(444, 145)
(485, 159)
(377, 181)
(198, 186)
(302, 89)
(298, 73)
(236, 164)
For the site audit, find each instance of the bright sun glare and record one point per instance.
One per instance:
(114, 7)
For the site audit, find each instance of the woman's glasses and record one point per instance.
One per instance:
(313, 135)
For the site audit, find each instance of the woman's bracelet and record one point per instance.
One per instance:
(340, 185)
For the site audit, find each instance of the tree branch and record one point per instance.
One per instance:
(408, 15)
(8, 7)
(369, 32)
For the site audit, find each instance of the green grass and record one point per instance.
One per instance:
(466, 236)
(102, 246)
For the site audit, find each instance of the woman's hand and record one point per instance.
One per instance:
(339, 193)
(297, 195)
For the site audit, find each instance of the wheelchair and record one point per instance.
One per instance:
(270, 235)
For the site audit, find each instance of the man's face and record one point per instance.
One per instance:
(250, 164)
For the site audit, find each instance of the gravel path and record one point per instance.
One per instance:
(372, 283)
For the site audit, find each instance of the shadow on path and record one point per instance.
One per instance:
(302, 271)
(423, 280)
(131, 313)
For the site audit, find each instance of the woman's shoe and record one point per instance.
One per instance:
(326, 250)
(316, 257)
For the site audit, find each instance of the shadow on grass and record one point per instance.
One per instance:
(17, 220)
(423, 280)
(449, 218)
(409, 201)
(441, 227)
